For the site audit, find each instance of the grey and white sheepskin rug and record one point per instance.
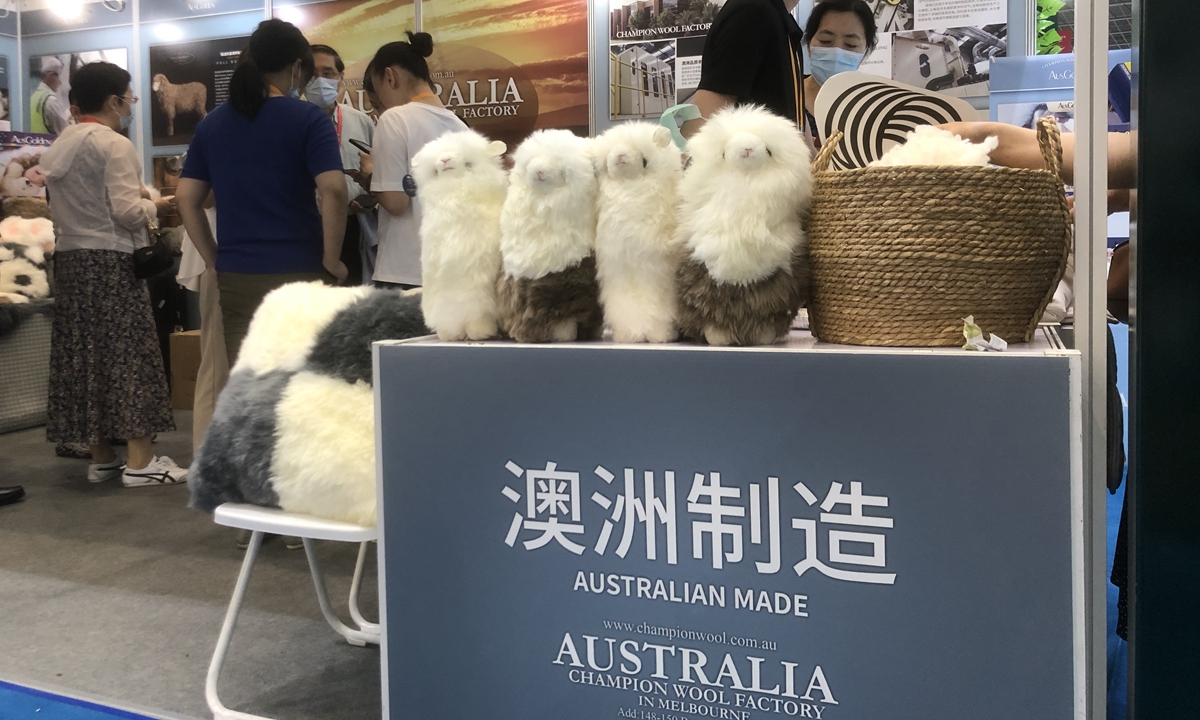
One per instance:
(295, 427)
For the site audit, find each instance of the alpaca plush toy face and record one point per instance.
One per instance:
(457, 156)
(748, 139)
(635, 150)
(747, 152)
(552, 159)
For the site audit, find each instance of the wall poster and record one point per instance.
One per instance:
(654, 54)
(187, 80)
(506, 67)
(66, 65)
(20, 162)
(946, 46)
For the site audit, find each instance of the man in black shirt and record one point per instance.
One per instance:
(751, 55)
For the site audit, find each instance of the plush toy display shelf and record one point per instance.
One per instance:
(900, 255)
(25, 357)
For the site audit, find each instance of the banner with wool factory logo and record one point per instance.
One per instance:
(506, 67)
(598, 533)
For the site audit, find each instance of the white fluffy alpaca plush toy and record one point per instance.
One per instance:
(25, 248)
(929, 145)
(636, 254)
(743, 198)
(462, 184)
(548, 290)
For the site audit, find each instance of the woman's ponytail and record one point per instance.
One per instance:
(409, 56)
(246, 87)
(274, 46)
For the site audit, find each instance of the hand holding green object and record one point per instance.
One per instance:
(675, 116)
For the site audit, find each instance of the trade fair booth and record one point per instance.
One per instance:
(805, 528)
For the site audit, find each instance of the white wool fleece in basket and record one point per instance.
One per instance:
(929, 145)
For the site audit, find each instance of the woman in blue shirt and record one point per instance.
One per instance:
(267, 156)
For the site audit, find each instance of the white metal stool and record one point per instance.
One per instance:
(261, 520)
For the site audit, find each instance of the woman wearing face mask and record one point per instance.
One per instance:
(839, 35)
(412, 115)
(267, 156)
(106, 370)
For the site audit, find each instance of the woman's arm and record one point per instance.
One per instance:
(709, 103)
(394, 201)
(1019, 149)
(331, 188)
(190, 197)
(130, 210)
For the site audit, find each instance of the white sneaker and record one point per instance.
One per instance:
(162, 470)
(100, 472)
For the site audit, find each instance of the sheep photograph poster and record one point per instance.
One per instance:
(187, 80)
(506, 67)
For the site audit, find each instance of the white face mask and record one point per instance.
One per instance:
(322, 92)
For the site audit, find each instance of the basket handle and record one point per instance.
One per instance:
(1050, 143)
(825, 156)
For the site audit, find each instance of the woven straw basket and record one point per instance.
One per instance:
(900, 255)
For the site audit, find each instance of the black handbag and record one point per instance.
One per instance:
(154, 258)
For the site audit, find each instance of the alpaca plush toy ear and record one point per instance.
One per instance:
(496, 148)
(662, 137)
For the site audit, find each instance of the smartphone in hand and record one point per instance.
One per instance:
(361, 145)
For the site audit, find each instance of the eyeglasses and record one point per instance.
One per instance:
(131, 100)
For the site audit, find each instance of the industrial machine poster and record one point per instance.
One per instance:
(506, 67)
(654, 54)
(685, 534)
(187, 80)
(946, 46)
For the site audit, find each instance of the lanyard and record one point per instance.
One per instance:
(338, 124)
(800, 113)
(91, 120)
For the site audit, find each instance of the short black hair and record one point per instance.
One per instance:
(96, 82)
(858, 7)
(326, 50)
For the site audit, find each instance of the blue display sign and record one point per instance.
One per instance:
(683, 534)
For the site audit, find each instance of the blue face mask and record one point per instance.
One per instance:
(125, 120)
(829, 61)
(322, 92)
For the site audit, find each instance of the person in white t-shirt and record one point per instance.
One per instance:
(413, 116)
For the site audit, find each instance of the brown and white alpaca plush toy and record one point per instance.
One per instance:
(548, 290)
(743, 199)
(462, 183)
(636, 255)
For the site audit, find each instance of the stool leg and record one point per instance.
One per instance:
(354, 588)
(354, 637)
(219, 711)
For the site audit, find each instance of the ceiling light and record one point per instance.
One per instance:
(66, 9)
(291, 14)
(168, 32)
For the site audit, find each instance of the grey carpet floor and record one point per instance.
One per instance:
(120, 593)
